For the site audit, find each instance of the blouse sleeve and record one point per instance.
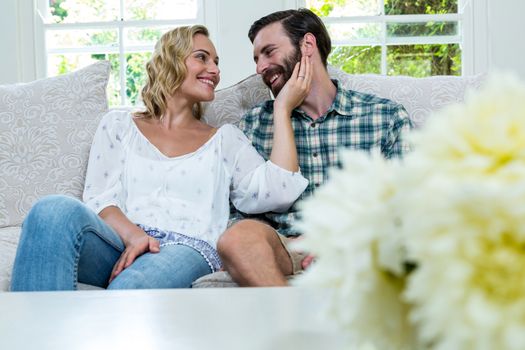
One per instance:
(257, 185)
(103, 187)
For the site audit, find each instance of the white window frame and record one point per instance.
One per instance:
(120, 25)
(465, 36)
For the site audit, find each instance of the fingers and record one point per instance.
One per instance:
(118, 267)
(126, 259)
(154, 245)
(130, 254)
(307, 261)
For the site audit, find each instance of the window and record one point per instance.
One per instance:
(79, 32)
(394, 37)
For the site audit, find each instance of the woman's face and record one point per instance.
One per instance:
(203, 73)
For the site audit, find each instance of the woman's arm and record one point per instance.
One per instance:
(284, 150)
(104, 192)
(136, 241)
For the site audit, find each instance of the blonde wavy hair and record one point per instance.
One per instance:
(166, 70)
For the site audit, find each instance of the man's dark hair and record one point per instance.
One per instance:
(296, 24)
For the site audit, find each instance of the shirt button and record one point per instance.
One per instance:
(313, 125)
(317, 184)
(315, 154)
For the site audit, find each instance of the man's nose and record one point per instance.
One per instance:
(262, 65)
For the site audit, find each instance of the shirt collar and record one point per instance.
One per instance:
(340, 101)
(338, 104)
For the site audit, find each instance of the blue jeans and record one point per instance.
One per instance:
(63, 242)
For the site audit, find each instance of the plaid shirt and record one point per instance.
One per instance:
(355, 120)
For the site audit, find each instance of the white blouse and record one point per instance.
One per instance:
(188, 194)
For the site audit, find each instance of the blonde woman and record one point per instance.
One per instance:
(159, 182)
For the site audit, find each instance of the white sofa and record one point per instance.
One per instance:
(46, 129)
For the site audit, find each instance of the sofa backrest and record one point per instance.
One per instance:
(46, 126)
(420, 96)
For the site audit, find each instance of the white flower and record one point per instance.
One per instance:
(348, 223)
(464, 222)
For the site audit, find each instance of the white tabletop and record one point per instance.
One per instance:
(221, 318)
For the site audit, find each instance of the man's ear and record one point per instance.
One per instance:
(308, 44)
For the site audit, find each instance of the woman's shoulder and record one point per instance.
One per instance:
(117, 118)
(230, 130)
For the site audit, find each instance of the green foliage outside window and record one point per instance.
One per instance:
(135, 62)
(412, 60)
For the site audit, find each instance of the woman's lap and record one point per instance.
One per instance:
(63, 242)
(175, 266)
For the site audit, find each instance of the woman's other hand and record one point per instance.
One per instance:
(135, 247)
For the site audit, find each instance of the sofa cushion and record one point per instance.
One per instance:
(8, 243)
(46, 129)
(219, 279)
(231, 103)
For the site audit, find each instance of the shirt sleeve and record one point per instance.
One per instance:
(258, 186)
(103, 186)
(400, 125)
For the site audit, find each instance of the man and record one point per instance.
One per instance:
(255, 250)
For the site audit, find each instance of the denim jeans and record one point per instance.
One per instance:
(63, 242)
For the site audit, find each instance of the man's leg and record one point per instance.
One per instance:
(253, 254)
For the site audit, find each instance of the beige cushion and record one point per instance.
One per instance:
(8, 243)
(219, 279)
(46, 129)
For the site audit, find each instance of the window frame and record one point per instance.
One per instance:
(41, 29)
(464, 37)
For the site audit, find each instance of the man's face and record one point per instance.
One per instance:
(275, 56)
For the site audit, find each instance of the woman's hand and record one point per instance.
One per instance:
(135, 247)
(296, 88)
(284, 150)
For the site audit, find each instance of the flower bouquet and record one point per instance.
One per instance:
(428, 252)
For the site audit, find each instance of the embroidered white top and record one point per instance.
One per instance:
(188, 194)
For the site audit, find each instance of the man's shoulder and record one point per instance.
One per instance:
(265, 107)
(365, 98)
(258, 115)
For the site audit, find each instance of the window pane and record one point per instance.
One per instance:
(340, 8)
(74, 11)
(424, 60)
(135, 75)
(160, 9)
(419, 7)
(341, 32)
(144, 36)
(356, 59)
(422, 29)
(81, 38)
(65, 63)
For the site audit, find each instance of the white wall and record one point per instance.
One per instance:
(233, 21)
(506, 44)
(499, 43)
(8, 42)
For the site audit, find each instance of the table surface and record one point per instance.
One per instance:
(215, 318)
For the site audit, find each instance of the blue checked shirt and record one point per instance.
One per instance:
(355, 120)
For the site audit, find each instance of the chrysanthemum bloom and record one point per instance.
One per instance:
(350, 226)
(464, 222)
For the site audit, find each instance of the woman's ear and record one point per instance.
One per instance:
(308, 45)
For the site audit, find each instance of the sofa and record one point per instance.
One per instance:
(46, 128)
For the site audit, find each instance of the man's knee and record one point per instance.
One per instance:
(242, 235)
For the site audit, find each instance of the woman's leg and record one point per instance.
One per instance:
(175, 266)
(63, 242)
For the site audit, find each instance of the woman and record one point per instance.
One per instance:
(159, 182)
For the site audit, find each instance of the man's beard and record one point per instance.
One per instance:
(286, 70)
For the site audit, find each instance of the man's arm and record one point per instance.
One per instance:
(400, 127)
